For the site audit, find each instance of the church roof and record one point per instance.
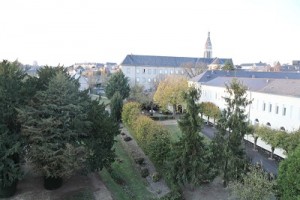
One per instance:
(166, 61)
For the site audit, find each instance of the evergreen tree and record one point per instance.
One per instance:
(190, 157)
(11, 85)
(116, 106)
(118, 83)
(53, 124)
(100, 139)
(232, 126)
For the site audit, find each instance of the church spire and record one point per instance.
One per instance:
(208, 47)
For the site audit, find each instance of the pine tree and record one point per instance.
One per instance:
(53, 125)
(118, 83)
(116, 106)
(227, 145)
(190, 157)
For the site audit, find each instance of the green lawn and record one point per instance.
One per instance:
(134, 186)
(175, 133)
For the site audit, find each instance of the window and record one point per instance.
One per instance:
(149, 71)
(270, 108)
(277, 109)
(284, 111)
(160, 71)
(171, 71)
(268, 124)
(166, 71)
(137, 79)
(182, 72)
(137, 71)
(144, 80)
(176, 71)
(154, 80)
(144, 70)
(128, 70)
(264, 106)
(282, 128)
(149, 80)
(154, 71)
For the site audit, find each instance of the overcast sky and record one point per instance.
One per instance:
(68, 31)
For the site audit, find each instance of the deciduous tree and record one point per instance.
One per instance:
(170, 92)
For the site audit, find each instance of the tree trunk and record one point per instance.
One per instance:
(151, 108)
(272, 153)
(225, 179)
(174, 111)
(255, 142)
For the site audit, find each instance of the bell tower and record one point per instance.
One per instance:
(208, 47)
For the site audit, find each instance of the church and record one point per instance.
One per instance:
(148, 70)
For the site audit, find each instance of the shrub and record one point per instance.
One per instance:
(127, 138)
(144, 172)
(142, 128)
(139, 161)
(156, 176)
(131, 111)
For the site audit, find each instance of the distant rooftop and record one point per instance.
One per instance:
(166, 61)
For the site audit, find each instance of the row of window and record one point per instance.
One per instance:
(156, 71)
(143, 80)
(270, 107)
(269, 124)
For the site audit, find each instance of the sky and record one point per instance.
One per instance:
(65, 32)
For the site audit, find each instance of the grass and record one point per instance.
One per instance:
(176, 133)
(134, 186)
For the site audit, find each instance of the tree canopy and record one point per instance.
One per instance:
(170, 91)
(117, 83)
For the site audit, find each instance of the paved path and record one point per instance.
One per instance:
(268, 165)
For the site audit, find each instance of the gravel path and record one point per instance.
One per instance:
(158, 189)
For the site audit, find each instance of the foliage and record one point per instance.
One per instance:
(130, 112)
(116, 106)
(143, 128)
(117, 83)
(100, 139)
(53, 124)
(11, 88)
(170, 91)
(253, 185)
(275, 138)
(211, 110)
(289, 177)
(190, 156)
(228, 66)
(228, 151)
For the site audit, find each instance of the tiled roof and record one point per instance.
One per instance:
(166, 61)
(286, 87)
(212, 74)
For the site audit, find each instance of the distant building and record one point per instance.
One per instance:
(296, 62)
(208, 47)
(260, 67)
(149, 70)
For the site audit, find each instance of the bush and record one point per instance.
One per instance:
(127, 138)
(139, 161)
(142, 129)
(173, 195)
(131, 111)
(156, 176)
(144, 172)
(161, 118)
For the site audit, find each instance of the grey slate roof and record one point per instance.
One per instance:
(286, 87)
(212, 74)
(166, 61)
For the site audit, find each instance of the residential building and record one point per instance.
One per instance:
(276, 97)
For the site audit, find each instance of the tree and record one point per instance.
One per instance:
(54, 123)
(130, 112)
(194, 69)
(254, 185)
(190, 157)
(211, 110)
(228, 66)
(231, 128)
(100, 138)
(289, 177)
(11, 87)
(116, 106)
(170, 91)
(117, 83)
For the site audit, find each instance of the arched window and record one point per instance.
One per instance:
(282, 128)
(256, 121)
(268, 124)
